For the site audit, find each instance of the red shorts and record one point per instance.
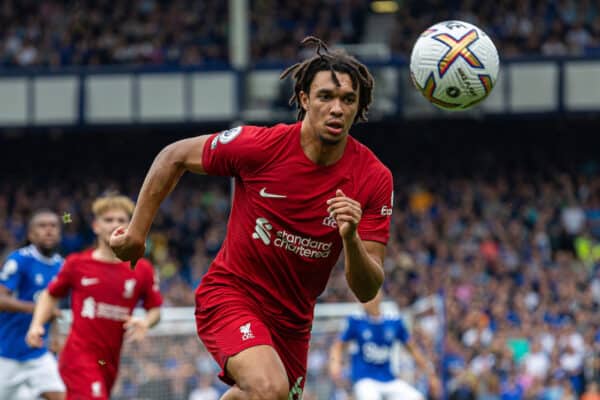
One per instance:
(235, 325)
(87, 378)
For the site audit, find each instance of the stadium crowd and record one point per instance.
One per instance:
(53, 33)
(519, 28)
(514, 256)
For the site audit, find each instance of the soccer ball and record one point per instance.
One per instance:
(454, 64)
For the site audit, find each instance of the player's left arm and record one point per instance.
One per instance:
(420, 359)
(425, 366)
(11, 275)
(44, 312)
(363, 258)
(364, 229)
(137, 328)
(363, 266)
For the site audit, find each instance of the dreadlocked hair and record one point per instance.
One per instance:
(334, 61)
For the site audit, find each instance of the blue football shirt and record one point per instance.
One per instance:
(26, 273)
(374, 338)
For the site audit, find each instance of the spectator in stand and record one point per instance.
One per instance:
(56, 33)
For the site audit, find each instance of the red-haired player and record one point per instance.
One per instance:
(104, 292)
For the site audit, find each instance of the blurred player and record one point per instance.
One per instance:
(26, 272)
(104, 292)
(374, 335)
(304, 193)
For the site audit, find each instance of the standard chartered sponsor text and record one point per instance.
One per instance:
(302, 246)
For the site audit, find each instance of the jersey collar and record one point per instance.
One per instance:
(40, 257)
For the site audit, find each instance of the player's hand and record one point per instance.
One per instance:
(56, 313)
(135, 329)
(35, 336)
(347, 213)
(335, 371)
(126, 246)
(435, 387)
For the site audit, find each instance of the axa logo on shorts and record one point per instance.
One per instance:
(246, 331)
(261, 230)
(301, 245)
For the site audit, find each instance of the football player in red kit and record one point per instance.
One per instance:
(104, 291)
(304, 193)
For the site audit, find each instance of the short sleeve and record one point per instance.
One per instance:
(402, 334)
(152, 296)
(377, 213)
(11, 272)
(235, 151)
(348, 333)
(63, 281)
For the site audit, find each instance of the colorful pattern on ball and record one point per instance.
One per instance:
(454, 65)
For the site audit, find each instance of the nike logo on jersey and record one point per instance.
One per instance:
(263, 193)
(89, 281)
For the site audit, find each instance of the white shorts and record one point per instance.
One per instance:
(370, 389)
(38, 375)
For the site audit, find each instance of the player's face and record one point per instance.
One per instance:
(44, 232)
(106, 223)
(330, 109)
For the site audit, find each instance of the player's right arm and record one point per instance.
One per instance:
(336, 357)
(9, 303)
(168, 166)
(44, 311)
(10, 277)
(336, 353)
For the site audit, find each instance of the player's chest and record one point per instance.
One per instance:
(38, 277)
(113, 286)
(378, 334)
(296, 196)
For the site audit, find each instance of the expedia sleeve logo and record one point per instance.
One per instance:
(387, 211)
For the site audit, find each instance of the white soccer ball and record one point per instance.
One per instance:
(454, 64)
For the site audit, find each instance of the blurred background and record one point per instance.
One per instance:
(493, 258)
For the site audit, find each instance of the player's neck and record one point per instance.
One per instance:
(48, 253)
(317, 150)
(105, 254)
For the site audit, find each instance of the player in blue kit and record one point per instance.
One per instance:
(374, 335)
(25, 273)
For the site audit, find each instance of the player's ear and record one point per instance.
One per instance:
(95, 227)
(304, 100)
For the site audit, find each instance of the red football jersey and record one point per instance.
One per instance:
(103, 295)
(281, 243)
